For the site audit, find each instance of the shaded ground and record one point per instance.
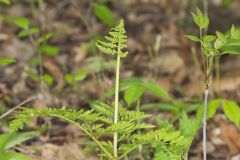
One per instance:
(171, 65)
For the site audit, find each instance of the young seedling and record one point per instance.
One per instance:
(212, 46)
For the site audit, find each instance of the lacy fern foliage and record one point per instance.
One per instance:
(100, 123)
(97, 124)
(116, 41)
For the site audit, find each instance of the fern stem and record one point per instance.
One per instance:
(115, 136)
(205, 125)
(140, 147)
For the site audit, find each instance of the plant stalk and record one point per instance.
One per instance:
(205, 125)
(115, 136)
(40, 58)
(140, 147)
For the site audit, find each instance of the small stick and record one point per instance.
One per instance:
(18, 106)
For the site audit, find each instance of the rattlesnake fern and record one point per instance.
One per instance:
(103, 120)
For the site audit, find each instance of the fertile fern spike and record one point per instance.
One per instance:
(116, 41)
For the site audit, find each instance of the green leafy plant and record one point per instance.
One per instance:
(134, 89)
(212, 46)
(5, 61)
(230, 109)
(48, 79)
(103, 13)
(72, 79)
(115, 45)
(188, 129)
(7, 2)
(10, 140)
(40, 45)
(104, 121)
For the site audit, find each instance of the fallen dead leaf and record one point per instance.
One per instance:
(230, 134)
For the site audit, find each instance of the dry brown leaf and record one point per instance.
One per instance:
(230, 134)
(80, 53)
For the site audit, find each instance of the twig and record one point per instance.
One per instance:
(18, 106)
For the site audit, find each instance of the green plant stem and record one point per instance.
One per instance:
(202, 53)
(35, 46)
(140, 146)
(115, 136)
(205, 125)
(218, 75)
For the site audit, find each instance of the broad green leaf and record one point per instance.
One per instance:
(235, 32)
(5, 155)
(159, 106)
(10, 140)
(221, 36)
(7, 2)
(133, 93)
(205, 22)
(219, 43)
(122, 86)
(103, 13)
(157, 90)
(209, 38)
(211, 108)
(201, 20)
(48, 79)
(231, 49)
(26, 33)
(80, 75)
(21, 22)
(49, 50)
(5, 61)
(193, 38)
(232, 111)
(69, 79)
(45, 37)
(233, 42)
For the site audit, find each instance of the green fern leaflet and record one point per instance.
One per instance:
(116, 41)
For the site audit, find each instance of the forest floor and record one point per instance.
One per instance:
(158, 52)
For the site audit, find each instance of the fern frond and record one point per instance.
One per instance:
(188, 127)
(120, 127)
(106, 49)
(131, 116)
(126, 148)
(102, 108)
(27, 113)
(116, 41)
